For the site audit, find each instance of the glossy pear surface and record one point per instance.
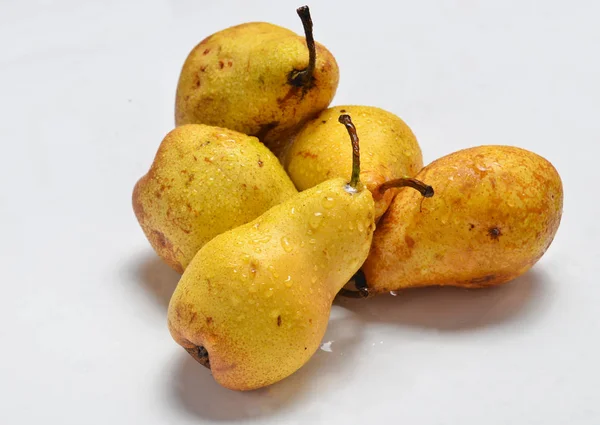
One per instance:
(238, 78)
(388, 147)
(257, 298)
(204, 181)
(495, 212)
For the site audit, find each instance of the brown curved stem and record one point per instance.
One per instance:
(360, 283)
(355, 178)
(304, 78)
(424, 189)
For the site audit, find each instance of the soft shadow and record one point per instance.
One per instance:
(197, 392)
(450, 309)
(156, 278)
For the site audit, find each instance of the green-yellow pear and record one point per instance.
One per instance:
(389, 150)
(204, 181)
(257, 78)
(254, 302)
(495, 212)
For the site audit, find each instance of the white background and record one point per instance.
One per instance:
(86, 95)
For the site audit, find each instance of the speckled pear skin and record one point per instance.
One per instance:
(204, 181)
(257, 298)
(238, 78)
(494, 214)
(389, 150)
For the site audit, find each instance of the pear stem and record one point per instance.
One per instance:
(360, 283)
(355, 178)
(304, 78)
(424, 189)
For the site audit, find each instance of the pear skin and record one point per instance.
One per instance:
(389, 150)
(242, 78)
(495, 212)
(204, 181)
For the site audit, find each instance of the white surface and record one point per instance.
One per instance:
(86, 95)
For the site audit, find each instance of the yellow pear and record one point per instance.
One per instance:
(495, 212)
(254, 302)
(257, 78)
(204, 181)
(389, 150)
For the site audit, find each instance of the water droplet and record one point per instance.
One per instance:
(316, 220)
(312, 241)
(243, 277)
(253, 288)
(285, 243)
(360, 227)
(239, 243)
(393, 293)
(302, 244)
(451, 178)
(269, 293)
(313, 280)
(328, 202)
(246, 258)
(257, 249)
(309, 232)
(273, 271)
(315, 267)
(262, 239)
(350, 225)
(326, 346)
(288, 281)
(293, 211)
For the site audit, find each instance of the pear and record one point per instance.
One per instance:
(495, 213)
(204, 181)
(253, 304)
(257, 78)
(389, 151)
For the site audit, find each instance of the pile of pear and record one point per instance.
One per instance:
(268, 201)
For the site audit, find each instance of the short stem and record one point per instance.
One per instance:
(354, 179)
(425, 190)
(304, 78)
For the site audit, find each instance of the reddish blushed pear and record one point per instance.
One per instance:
(495, 212)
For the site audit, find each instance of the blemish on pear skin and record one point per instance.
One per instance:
(221, 64)
(482, 280)
(209, 320)
(260, 163)
(206, 52)
(192, 317)
(410, 242)
(471, 226)
(307, 154)
(278, 320)
(160, 239)
(494, 233)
